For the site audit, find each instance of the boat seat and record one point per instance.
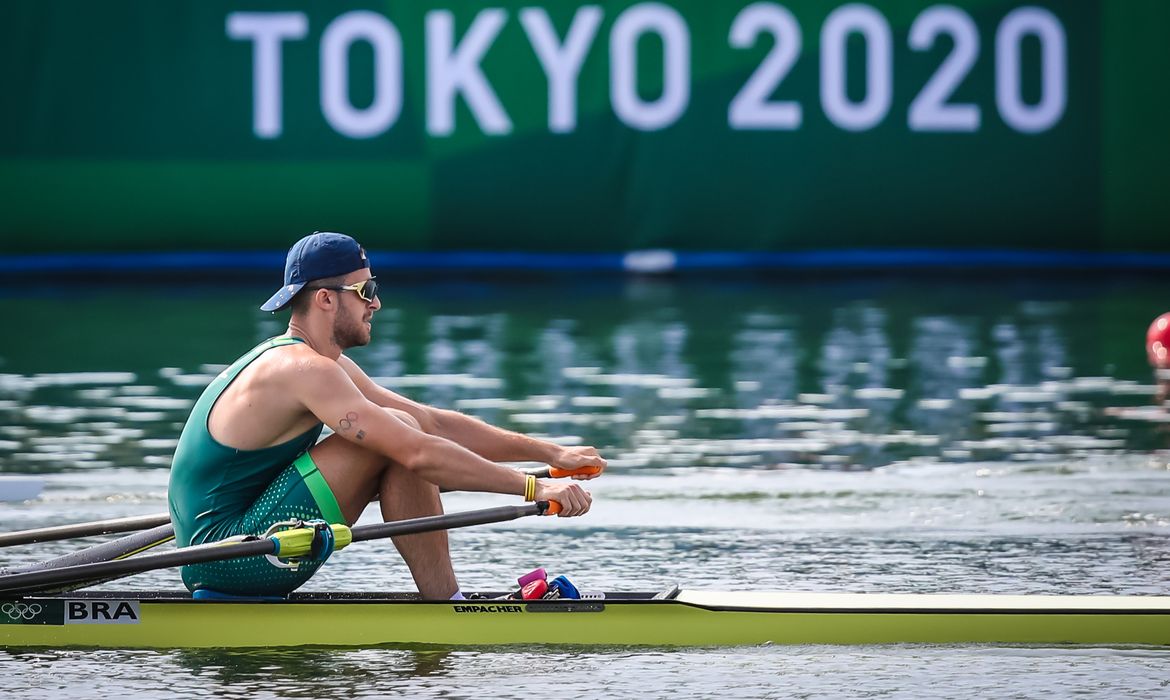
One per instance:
(209, 594)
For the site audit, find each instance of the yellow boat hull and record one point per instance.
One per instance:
(687, 618)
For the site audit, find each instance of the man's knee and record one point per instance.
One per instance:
(404, 417)
(397, 477)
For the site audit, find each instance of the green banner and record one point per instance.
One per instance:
(690, 124)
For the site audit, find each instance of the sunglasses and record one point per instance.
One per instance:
(366, 289)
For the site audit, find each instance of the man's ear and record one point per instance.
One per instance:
(322, 298)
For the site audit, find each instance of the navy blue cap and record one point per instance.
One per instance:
(315, 257)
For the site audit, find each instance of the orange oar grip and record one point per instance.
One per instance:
(553, 508)
(556, 473)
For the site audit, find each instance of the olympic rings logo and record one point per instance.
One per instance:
(21, 611)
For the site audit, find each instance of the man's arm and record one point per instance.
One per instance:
(326, 390)
(486, 440)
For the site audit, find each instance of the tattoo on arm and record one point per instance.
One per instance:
(346, 424)
(350, 423)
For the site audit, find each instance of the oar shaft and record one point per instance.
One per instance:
(131, 524)
(449, 521)
(40, 580)
(120, 548)
(31, 581)
(125, 546)
(99, 527)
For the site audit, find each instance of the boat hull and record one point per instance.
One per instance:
(688, 618)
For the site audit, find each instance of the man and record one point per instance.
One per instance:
(249, 454)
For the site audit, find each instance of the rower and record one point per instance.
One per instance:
(250, 455)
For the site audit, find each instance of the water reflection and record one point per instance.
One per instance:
(765, 671)
(310, 673)
(225, 673)
(660, 374)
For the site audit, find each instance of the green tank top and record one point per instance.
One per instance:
(213, 485)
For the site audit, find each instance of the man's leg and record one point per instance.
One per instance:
(356, 475)
(404, 495)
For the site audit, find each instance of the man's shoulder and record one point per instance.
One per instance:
(302, 360)
(347, 363)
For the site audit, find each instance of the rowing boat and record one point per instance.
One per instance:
(41, 606)
(668, 619)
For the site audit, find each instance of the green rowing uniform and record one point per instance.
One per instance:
(218, 492)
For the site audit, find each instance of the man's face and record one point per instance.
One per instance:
(353, 322)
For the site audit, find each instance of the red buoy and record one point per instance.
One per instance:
(1158, 341)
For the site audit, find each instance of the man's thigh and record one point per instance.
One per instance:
(352, 472)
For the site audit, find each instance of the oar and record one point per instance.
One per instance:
(116, 525)
(286, 544)
(97, 527)
(125, 546)
(120, 548)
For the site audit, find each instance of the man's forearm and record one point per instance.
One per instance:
(490, 442)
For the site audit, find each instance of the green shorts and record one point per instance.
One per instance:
(300, 492)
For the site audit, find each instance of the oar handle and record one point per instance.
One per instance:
(541, 473)
(550, 507)
(557, 472)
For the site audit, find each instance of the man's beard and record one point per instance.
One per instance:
(348, 332)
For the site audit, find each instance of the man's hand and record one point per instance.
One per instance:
(574, 500)
(574, 458)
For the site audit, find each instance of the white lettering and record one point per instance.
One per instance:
(1046, 27)
(930, 111)
(561, 63)
(452, 70)
(751, 108)
(879, 67)
(267, 30)
(623, 66)
(339, 36)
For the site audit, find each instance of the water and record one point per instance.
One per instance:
(877, 435)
